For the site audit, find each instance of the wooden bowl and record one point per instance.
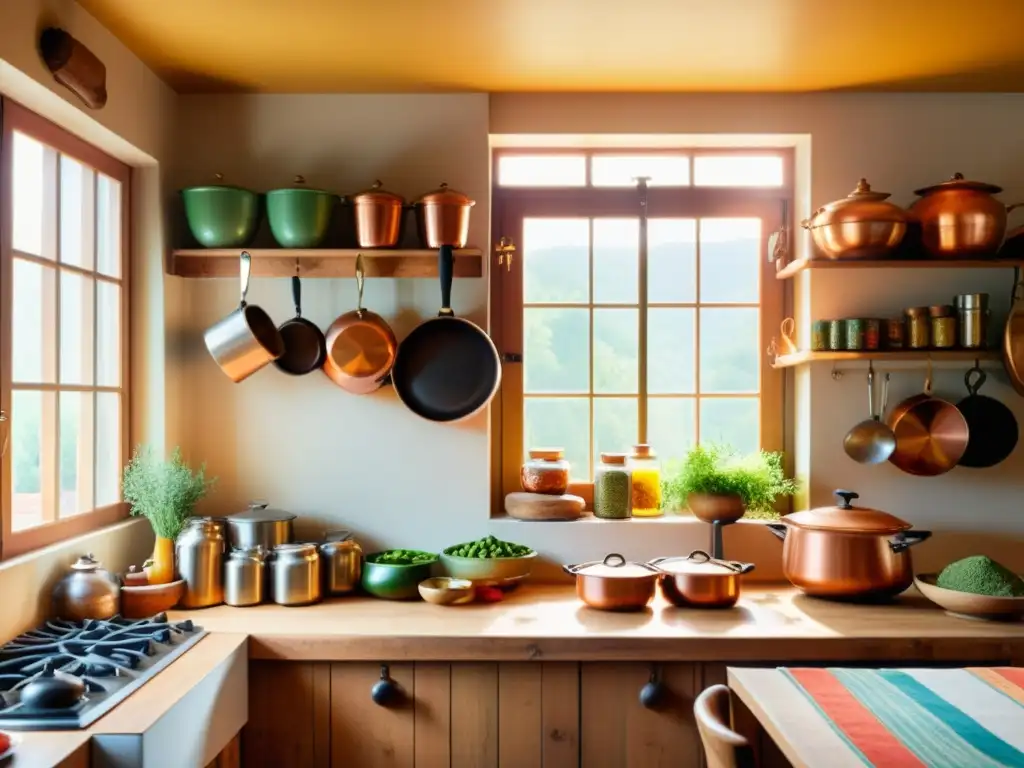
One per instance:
(143, 602)
(443, 590)
(968, 605)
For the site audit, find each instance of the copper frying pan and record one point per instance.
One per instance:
(1013, 337)
(361, 347)
(931, 433)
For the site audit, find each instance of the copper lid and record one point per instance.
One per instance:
(613, 458)
(941, 310)
(860, 205)
(444, 196)
(846, 518)
(916, 311)
(642, 451)
(547, 454)
(959, 182)
(614, 566)
(376, 194)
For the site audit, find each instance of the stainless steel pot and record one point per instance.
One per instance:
(199, 556)
(341, 563)
(295, 574)
(245, 577)
(847, 552)
(260, 526)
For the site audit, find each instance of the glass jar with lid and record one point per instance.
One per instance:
(546, 471)
(645, 473)
(613, 491)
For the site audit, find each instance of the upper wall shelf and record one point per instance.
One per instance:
(321, 262)
(799, 265)
(935, 355)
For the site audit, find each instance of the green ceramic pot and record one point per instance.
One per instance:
(299, 217)
(220, 216)
(394, 582)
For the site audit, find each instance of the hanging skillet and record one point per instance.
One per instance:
(992, 427)
(447, 369)
(304, 344)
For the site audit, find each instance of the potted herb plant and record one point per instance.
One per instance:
(717, 484)
(165, 492)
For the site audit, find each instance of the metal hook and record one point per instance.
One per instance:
(836, 373)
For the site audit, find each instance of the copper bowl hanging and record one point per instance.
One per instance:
(862, 225)
(961, 219)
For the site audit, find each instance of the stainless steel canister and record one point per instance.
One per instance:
(244, 577)
(295, 574)
(260, 526)
(973, 313)
(199, 553)
(341, 563)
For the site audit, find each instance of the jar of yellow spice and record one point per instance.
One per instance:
(646, 473)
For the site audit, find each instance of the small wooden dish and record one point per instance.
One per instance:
(444, 590)
(143, 602)
(538, 506)
(967, 605)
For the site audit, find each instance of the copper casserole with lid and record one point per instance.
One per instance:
(378, 216)
(960, 218)
(614, 584)
(862, 225)
(847, 552)
(700, 581)
(442, 217)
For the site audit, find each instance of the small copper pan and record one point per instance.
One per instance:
(361, 347)
(931, 433)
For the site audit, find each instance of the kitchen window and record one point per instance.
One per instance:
(63, 333)
(608, 343)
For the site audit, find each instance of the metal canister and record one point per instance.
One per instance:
(943, 322)
(872, 333)
(918, 328)
(199, 552)
(836, 334)
(895, 332)
(819, 335)
(244, 577)
(973, 314)
(854, 333)
(342, 563)
(295, 574)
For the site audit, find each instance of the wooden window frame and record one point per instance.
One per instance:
(15, 117)
(774, 205)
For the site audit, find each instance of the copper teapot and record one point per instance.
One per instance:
(88, 592)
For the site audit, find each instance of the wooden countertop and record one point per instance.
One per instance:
(770, 623)
(46, 749)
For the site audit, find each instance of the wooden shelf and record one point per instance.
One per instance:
(936, 355)
(799, 265)
(320, 262)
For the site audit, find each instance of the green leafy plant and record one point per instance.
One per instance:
(717, 469)
(164, 492)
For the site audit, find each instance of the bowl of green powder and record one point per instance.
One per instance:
(975, 587)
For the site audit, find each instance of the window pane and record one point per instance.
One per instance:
(76, 453)
(556, 355)
(108, 448)
(738, 171)
(27, 441)
(671, 351)
(542, 170)
(559, 422)
(33, 331)
(76, 328)
(77, 195)
(108, 334)
(622, 170)
(672, 426)
(108, 226)
(556, 261)
(730, 251)
(29, 194)
(731, 421)
(616, 249)
(615, 424)
(671, 260)
(729, 350)
(616, 355)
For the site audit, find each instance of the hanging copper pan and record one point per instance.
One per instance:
(931, 433)
(1013, 337)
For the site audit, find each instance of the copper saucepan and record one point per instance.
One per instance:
(700, 581)
(931, 433)
(615, 584)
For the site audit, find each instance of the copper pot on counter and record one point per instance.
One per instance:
(615, 584)
(378, 216)
(860, 226)
(961, 219)
(442, 217)
(700, 581)
(847, 552)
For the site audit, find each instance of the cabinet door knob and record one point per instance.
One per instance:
(386, 692)
(653, 691)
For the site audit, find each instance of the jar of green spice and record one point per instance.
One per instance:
(613, 488)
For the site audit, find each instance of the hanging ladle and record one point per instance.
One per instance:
(871, 441)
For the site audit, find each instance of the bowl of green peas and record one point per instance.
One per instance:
(489, 561)
(396, 573)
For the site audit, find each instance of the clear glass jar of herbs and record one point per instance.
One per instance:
(613, 488)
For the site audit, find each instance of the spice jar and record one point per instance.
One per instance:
(645, 479)
(895, 330)
(973, 313)
(854, 333)
(613, 491)
(918, 328)
(836, 334)
(872, 333)
(943, 326)
(546, 471)
(819, 335)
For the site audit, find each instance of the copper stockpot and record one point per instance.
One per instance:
(961, 219)
(931, 433)
(700, 581)
(614, 584)
(847, 552)
(378, 215)
(442, 217)
(860, 226)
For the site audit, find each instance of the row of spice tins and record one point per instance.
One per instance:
(960, 325)
(625, 485)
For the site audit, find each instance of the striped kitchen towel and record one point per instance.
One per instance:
(944, 718)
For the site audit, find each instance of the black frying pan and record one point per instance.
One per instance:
(992, 427)
(304, 344)
(447, 369)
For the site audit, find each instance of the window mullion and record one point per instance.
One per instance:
(642, 314)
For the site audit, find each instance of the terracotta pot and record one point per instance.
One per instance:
(961, 219)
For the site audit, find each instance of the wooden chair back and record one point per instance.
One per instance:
(723, 747)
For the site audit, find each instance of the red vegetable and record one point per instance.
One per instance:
(489, 594)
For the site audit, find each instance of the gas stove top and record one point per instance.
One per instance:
(83, 669)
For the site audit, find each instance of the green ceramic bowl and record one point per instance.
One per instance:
(394, 582)
(498, 571)
(221, 217)
(299, 217)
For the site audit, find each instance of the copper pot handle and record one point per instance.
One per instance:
(904, 541)
(1012, 206)
(700, 556)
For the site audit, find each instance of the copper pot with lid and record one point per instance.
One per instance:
(700, 581)
(615, 584)
(961, 218)
(861, 225)
(442, 217)
(378, 215)
(847, 552)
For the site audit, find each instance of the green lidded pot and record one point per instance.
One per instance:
(221, 216)
(298, 216)
(394, 582)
